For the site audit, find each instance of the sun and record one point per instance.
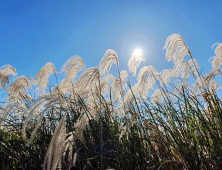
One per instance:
(137, 52)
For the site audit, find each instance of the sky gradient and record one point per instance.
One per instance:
(33, 33)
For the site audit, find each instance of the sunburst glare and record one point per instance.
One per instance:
(137, 52)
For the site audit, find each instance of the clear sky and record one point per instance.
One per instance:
(33, 33)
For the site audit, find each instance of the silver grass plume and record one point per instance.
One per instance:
(93, 96)
(176, 48)
(54, 102)
(72, 66)
(134, 63)
(209, 81)
(6, 72)
(63, 87)
(80, 127)
(9, 108)
(88, 78)
(130, 96)
(212, 73)
(94, 93)
(17, 90)
(109, 58)
(117, 89)
(143, 91)
(192, 71)
(56, 148)
(118, 85)
(166, 76)
(178, 91)
(69, 146)
(33, 111)
(148, 75)
(199, 85)
(105, 83)
(32, 81)
(136, 94)
(43, 104)
(124, 75)
(157, 95)
(92, 112)
(43, 75)
(213, 86)
(185, 68)
(217, 60)
(107, 104)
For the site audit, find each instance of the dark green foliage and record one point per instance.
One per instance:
(180, 134)
(15, 154)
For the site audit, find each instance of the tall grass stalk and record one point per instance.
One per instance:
(92, 122)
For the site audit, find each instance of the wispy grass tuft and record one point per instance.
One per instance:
(99, 121)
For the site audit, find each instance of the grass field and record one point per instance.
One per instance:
(99, 121)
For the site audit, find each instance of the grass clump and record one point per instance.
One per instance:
(102, 122)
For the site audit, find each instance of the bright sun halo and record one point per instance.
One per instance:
(137, 52)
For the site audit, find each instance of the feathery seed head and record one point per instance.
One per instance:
(109, 58)
(166, 76)
(148, 74)
(43, 75)
(17, 90)
(217, 60)
(87, 80)
(176, 48)
(6, 72)
(134, 63)
(72, 67)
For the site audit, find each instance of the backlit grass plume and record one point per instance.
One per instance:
(168, 119)
(176, 48)
(88, 79)
(42, 77)
(166, 76)
(134, 63)
(17, 90)
(217, 60)
(109, 58)
(6, 72)
(72, 67)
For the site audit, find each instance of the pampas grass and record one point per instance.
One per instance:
(99, 121)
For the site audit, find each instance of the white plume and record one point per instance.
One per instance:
(43, 75)
(87, 80)
(185, 68)
(38, 109)
(56, 147)
(109, 58)
(17, 90)
(157, 95)
(105, 83)
(134, 63)
(72, 66)
(6, 72)
(217, 60)
(119, 85)
(7, 109)
(166, 76)
(148, 74)
(212, 73)
(176, 48)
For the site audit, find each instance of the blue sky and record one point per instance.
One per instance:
(33, 33)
